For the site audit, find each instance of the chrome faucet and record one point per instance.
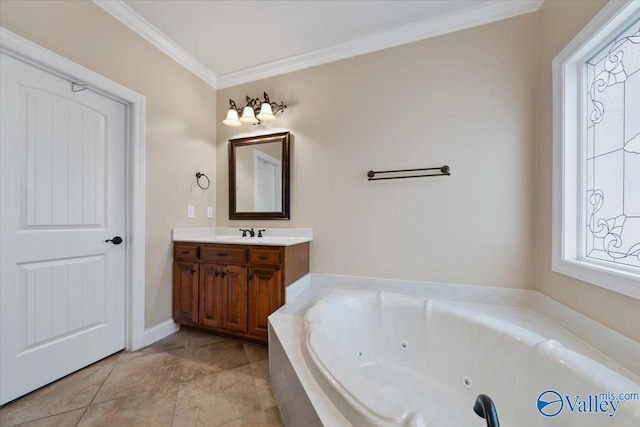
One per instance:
(260, 232)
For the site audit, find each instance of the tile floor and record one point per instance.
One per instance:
(186, 379)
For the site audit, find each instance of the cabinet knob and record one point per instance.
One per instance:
(193, 271)
(251, 277)
(224, 273)
(216, 273)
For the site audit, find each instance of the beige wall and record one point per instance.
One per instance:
(466, 99)
(180, 118)
(560, 21)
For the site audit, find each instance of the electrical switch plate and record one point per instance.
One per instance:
(191, 211)
(209, 212)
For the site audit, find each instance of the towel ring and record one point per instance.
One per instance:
(200, 175)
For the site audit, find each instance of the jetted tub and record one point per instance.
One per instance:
(388, 359)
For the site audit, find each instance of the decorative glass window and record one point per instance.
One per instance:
(612, 158)
(596, 138)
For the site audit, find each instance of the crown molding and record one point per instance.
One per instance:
(432, 27)
(132, 19)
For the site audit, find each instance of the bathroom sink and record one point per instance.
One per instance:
(267, 240)
(244, 239)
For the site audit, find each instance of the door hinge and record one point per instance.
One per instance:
(79, 87)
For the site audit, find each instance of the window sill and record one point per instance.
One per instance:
(622, 282)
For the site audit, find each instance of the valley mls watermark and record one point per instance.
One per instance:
(551, 403)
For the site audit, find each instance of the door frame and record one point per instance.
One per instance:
(135, 130)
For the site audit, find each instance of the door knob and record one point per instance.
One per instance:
(116, 240)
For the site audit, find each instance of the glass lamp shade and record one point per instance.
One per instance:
(266, 114)
(248, 116)
(232, 118)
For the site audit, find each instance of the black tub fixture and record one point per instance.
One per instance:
(485, 408)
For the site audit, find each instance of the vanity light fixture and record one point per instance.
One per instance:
(268, 110)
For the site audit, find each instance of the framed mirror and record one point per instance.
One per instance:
(259, 177)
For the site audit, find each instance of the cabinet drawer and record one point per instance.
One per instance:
(223, 254)
(264, 256)
(185, 251)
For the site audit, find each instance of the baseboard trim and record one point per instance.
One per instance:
(161, 330)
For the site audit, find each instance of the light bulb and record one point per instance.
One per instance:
(248, 116)
(266, 114)
(232, 118)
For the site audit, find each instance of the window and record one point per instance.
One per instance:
(596, 231)
(612, 190)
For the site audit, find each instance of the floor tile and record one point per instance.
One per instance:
(273, 417)
(217, 399)
(212, 358)
(257, 419)
(200, 338)
(187, 379)
(149, 409)
(260, 373)
(71, 392)
(107, 361)
(256, 352)
(68, 419)
(175, 341)
(239, 388)
(203, 403)
(132, 376)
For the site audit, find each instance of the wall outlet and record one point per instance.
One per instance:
(209, 212)
(191, 211)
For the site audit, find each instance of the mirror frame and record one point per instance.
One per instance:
(284, 212)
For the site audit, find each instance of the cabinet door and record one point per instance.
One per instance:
(234, 297)
(185, 292)
(264, 297)
(211, 295)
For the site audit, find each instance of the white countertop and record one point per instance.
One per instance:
(233, 236)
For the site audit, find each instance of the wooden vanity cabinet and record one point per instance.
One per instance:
(234, 298)
(232, 289)
(264, 297)
(185, 290)
(210, 297)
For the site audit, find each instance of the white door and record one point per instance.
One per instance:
(267, 183)
(62, 287)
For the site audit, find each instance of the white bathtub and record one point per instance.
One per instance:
(388, 359)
